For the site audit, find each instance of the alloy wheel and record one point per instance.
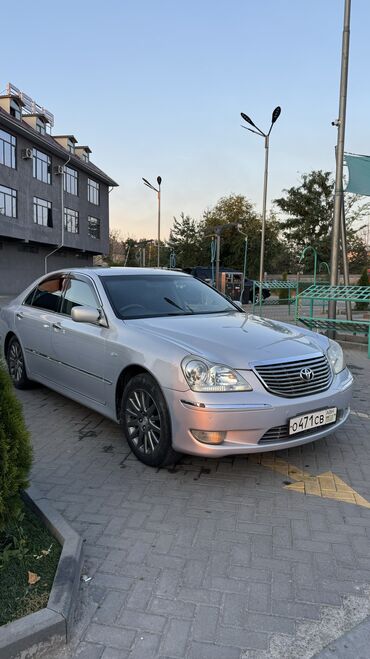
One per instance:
(15, 361)
(143, 421)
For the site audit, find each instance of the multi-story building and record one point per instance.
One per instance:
(54, 202)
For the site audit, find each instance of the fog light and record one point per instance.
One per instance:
(209, 436)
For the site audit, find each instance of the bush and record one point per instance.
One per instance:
(15, 452)
(363, 281)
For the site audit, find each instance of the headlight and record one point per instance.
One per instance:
(201, 375)
(335, 356)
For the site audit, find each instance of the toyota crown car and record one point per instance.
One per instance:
(180, 367)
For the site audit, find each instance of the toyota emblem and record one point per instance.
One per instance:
(306, 374)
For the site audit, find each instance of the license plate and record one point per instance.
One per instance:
(312, 420)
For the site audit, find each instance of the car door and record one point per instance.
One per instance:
(33, 322)
(79, 348)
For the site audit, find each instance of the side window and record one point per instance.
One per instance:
(29, 298)
(47, 294)
(78, 293)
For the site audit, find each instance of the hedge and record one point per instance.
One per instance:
(15, 451)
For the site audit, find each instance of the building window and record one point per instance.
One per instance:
(93, 190)
(15, 109)
(70, 146)
(70, 180)
(85, 156)
(8, 201)
(93, 227)
(41, 166)
(7, 149)
(40, 126)
(71, 220)
(42, 213)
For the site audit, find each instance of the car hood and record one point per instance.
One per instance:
(235, 339)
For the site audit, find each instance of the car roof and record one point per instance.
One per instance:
(114, 271)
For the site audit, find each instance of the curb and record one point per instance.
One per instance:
(354, 643)
(34, 634)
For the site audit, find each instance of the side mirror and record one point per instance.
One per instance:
(238, 304)
(85, 315)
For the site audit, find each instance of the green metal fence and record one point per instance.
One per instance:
(323, 294)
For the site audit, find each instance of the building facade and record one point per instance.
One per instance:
(54, 202)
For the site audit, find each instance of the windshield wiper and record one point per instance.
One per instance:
(174, 304)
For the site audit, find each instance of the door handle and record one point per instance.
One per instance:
(20, 315)
(57, 326)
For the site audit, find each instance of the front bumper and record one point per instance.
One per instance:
(247, 416)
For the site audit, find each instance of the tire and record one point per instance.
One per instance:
(146, 422)
(16, 365)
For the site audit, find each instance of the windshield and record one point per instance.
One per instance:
(141, 296)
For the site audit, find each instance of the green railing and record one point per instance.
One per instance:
(323, 293)
(275, 285)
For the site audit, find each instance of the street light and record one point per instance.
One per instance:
(217, 235)
(266, 136)
(158, 191)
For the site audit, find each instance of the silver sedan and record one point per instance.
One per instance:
(178, 365)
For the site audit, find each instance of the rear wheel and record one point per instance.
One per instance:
(16, 365)
(146, 422)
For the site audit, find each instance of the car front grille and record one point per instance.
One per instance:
(281, 433)
(287, 378)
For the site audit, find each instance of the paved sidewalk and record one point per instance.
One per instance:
(212, 559)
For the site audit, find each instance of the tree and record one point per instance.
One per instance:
(237, 209)
(15, 451)
(185, 241)
(363, 281)
(308, 217)
(117, 248)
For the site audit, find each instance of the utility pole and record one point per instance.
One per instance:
(341, 122)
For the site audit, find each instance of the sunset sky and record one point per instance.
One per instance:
(156, 88)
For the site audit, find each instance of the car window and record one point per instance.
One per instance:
(78, 293)
(47, 294)
(140, 296)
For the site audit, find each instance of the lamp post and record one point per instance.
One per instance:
(158, 191)
(266, 136)
(216, 235)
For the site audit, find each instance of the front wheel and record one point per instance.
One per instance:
(146, 422)
(16, 365)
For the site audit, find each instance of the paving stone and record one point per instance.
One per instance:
(249, 573)
(199, 596)
(110, 607)
(213, 559)
(235, 636)
(234, 608)
(260, 597)
(139, 596)
(210, 651)
(176, 637)
(146, 646)
(89, 651)
(111, 653)
(175, 608)
(205, 623)
(114, 637)
(140, 620)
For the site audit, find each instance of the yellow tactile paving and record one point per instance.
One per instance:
(277, 464)
(327, 485)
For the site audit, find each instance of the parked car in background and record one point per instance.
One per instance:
(180, 367)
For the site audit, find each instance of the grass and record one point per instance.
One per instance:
(26, 546)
